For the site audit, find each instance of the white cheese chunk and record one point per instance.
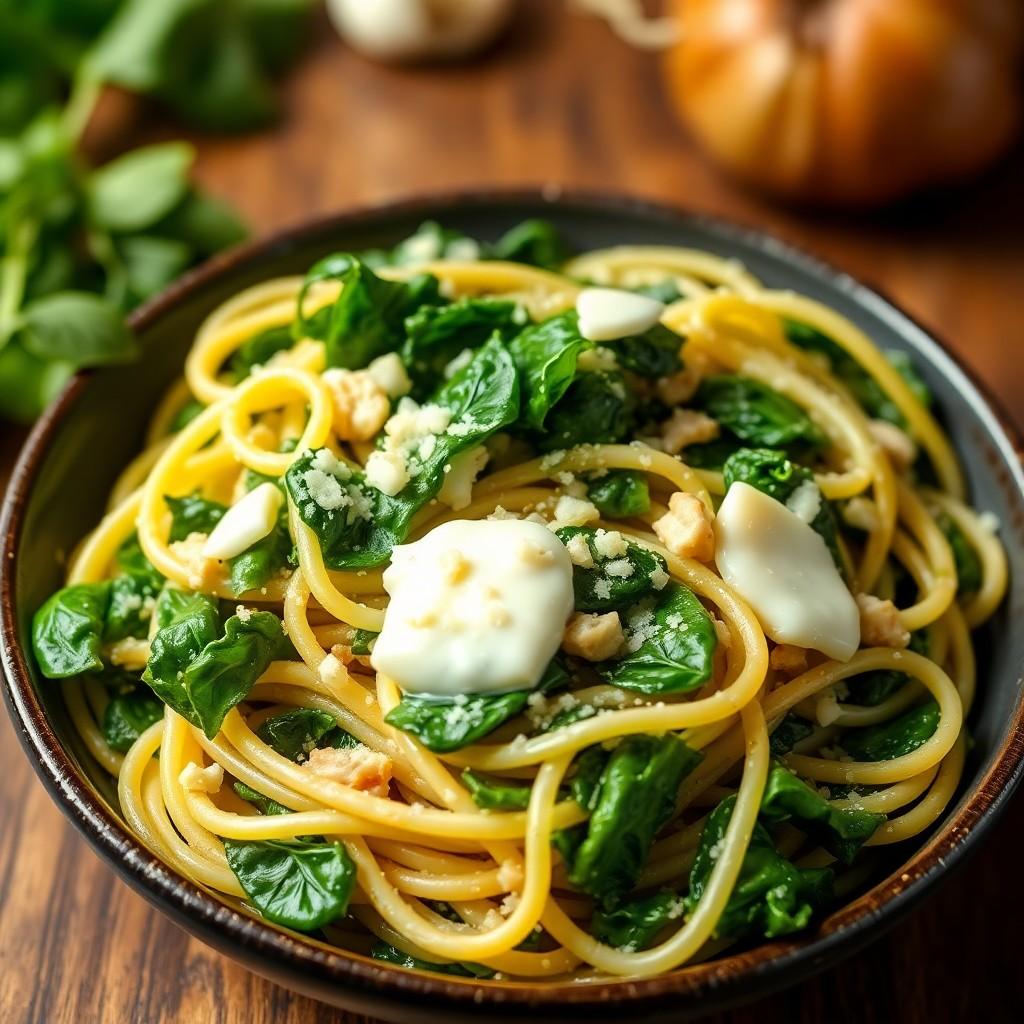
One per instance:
(784, 571)
(247, 521)
(608, 313)
(460, 475)
(388, 373)
(387, 471)
(476, 607)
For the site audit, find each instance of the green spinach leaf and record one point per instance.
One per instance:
(670, 645)
(636, 795)
(900, 736)
(128, 716)
(302, 885)
(613, 583)
(495, 796)
(389, 954)
(192, 513)
(262, 803)
(67, 631)
(771, 896)
(293, 734)
(597, 408)
(633, 925)
(620, 494)
(757, 413)
(258, 350)
(841, 831)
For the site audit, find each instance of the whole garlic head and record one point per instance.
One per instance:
(409, 30)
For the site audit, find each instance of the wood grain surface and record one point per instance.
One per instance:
(559, 101)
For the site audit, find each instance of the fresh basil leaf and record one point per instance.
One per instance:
(363, 524)
(67, 631)
(192, 513)
(76, 328)
(634, 925)
(635, 797)
(613, 583)
(205, 224)
(367, 318)
(224, 672)
(293, 734)
(620, 494)
(128, 716)
(771, 896)
(902, 735)
(840, 830)
(670, 645)
(770, 471)
(545, 355)
(262, 803)
(757, 413)
(390, 955)
(133, 191)
(152, 263)
(301, 885)
(27, 383)
(495, 796)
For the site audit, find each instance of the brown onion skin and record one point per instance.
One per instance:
(848, 102)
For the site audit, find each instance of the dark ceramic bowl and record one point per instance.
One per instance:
(71, 459)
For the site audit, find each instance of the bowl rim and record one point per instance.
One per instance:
(723, 981)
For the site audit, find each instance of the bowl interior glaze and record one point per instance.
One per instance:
(69, 464)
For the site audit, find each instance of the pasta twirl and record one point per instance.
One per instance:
(681, 768)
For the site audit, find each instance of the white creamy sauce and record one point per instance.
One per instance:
(476, 607)
(247, 521)
(784, 571)
(608, 313)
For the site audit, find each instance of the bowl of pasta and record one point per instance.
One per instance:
(529, 604)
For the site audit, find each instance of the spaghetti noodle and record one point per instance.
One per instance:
(642, 809)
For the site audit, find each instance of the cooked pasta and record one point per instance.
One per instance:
(712, 644)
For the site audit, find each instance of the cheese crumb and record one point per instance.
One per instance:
(594, 637)
(805, 501)
(610, 544)
(201, 780)
(880, 624)
(387, 471)
(361, 405)
(579, 551)
(685, 427)
(388, 373)
(571, 511)
(896, 443)
(460, 475)
(686, 529)
(357, 767)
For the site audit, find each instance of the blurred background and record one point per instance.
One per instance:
(137, 137)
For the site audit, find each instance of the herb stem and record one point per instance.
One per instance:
(85, 92)
(13, 273)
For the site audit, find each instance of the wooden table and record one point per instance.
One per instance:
(560, 101)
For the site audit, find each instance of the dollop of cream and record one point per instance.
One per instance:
(784, 571)
(476, 607)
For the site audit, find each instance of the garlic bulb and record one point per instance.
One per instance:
(409, 30)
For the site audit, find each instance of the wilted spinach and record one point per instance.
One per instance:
(840, 830)
(495, 796)
(634, 924)
(620, 494)
(360, 531)
(670, 645)
(389, 954)
(631, 800)
(293, 734)
(771, 896)
(192, 513)
(67, 631)
(302, 884)
(127, 716)
(900, 736)
(613, 583)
